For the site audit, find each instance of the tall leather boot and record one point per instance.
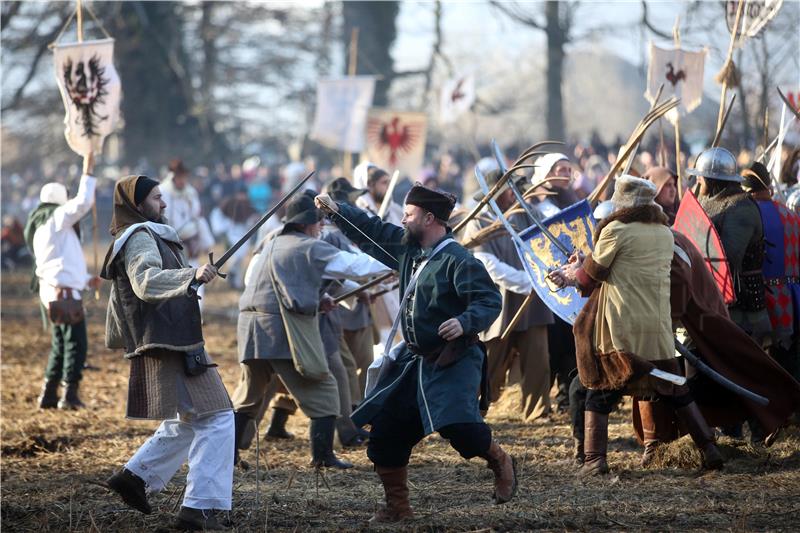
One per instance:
(649, 435)
(277, 426)
(595, 443)
(69, 397)
(505, 473)
(579, 453)
(322, 430)
(240, 422)
(395, 486)
(701, 434)
(48, 399)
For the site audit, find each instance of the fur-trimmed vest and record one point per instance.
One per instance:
(174, 324)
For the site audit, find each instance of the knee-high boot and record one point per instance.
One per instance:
(595, 443)
(701, 434)
(395, 487)
(322, 430)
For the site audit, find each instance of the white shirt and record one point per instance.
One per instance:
(504, 275)
(59, 256)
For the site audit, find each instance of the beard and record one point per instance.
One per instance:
(154, 215)
(410, 236)
(378, 197)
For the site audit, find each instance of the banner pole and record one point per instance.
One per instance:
(676, 35)
(728, 60)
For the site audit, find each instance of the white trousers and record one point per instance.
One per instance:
(207, 442)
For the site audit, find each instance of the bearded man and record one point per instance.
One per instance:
(154, 318)
(430, 382)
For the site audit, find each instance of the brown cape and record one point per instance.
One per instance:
(697, 303)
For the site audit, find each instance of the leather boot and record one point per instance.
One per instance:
(69, 398)
(277, 426)
(579, 454)
(48, 399)
(649, 435)
(191, 519)
(240, 422)
(322, 430)
(505, 473)
(131, 489)
(701, 434)
(395, 486)
(595, 443)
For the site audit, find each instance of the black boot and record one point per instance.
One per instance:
(277, 426)
(240, 422)
(69, 399)
(131, 489)
(48, 399)
(702, 435)
(321, 431)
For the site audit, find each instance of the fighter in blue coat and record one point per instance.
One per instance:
(434, 382)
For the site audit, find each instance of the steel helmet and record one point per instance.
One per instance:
(716, 164)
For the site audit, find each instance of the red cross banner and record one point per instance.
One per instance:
(396, 140)
(681, 73)
(91, 92)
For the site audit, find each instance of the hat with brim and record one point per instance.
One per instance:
(301, 210)
(716, 164)
(342, 190)
(756, 178)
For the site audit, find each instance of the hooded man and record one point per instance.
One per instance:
(430, 382)
(152, 316)
(53, 235)
(278, 331)
(625, 328)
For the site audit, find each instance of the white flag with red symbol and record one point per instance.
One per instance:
(341, 115)
(91, 92)
(396, 140)
(457, 97)
(681, 73)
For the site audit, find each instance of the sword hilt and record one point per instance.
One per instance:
(211, 262)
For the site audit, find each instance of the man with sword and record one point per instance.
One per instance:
(155, 318)
(430, 382)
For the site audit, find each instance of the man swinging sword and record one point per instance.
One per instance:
(430, 382)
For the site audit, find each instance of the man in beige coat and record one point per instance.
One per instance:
(154, 319)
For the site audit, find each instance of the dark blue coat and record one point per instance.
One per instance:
(453, 285)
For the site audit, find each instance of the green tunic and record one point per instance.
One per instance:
(453, 285)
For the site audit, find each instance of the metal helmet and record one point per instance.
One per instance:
(716, 164)
(603, 209)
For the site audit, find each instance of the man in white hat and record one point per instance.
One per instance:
(53, 236)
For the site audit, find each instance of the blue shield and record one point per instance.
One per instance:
(572, 226)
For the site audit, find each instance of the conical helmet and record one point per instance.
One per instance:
(716, 164)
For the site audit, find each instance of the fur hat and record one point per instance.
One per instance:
(439, 203)
(53, 193)
(630, 191)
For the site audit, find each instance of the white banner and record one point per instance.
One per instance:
(681, 73)
(457, 97)
(341, 115)
(755, 15)
(396, 140)
(91, 92)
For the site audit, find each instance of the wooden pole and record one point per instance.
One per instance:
(728, 60)
(79, 17)
(347, 167)
(676, 36)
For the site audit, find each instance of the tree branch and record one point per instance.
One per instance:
(9, 10)
(647, 24)
(511, 10)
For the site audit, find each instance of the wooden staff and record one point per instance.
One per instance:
(676, 36)
(365, 286)
(517, 316)
(718, 135)
(729, 62)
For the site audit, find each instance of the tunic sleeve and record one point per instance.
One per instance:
(150, 282)
(476, 289)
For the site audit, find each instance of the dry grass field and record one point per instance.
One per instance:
(51, 461)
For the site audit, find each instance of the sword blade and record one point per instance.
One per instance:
(381, 248)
